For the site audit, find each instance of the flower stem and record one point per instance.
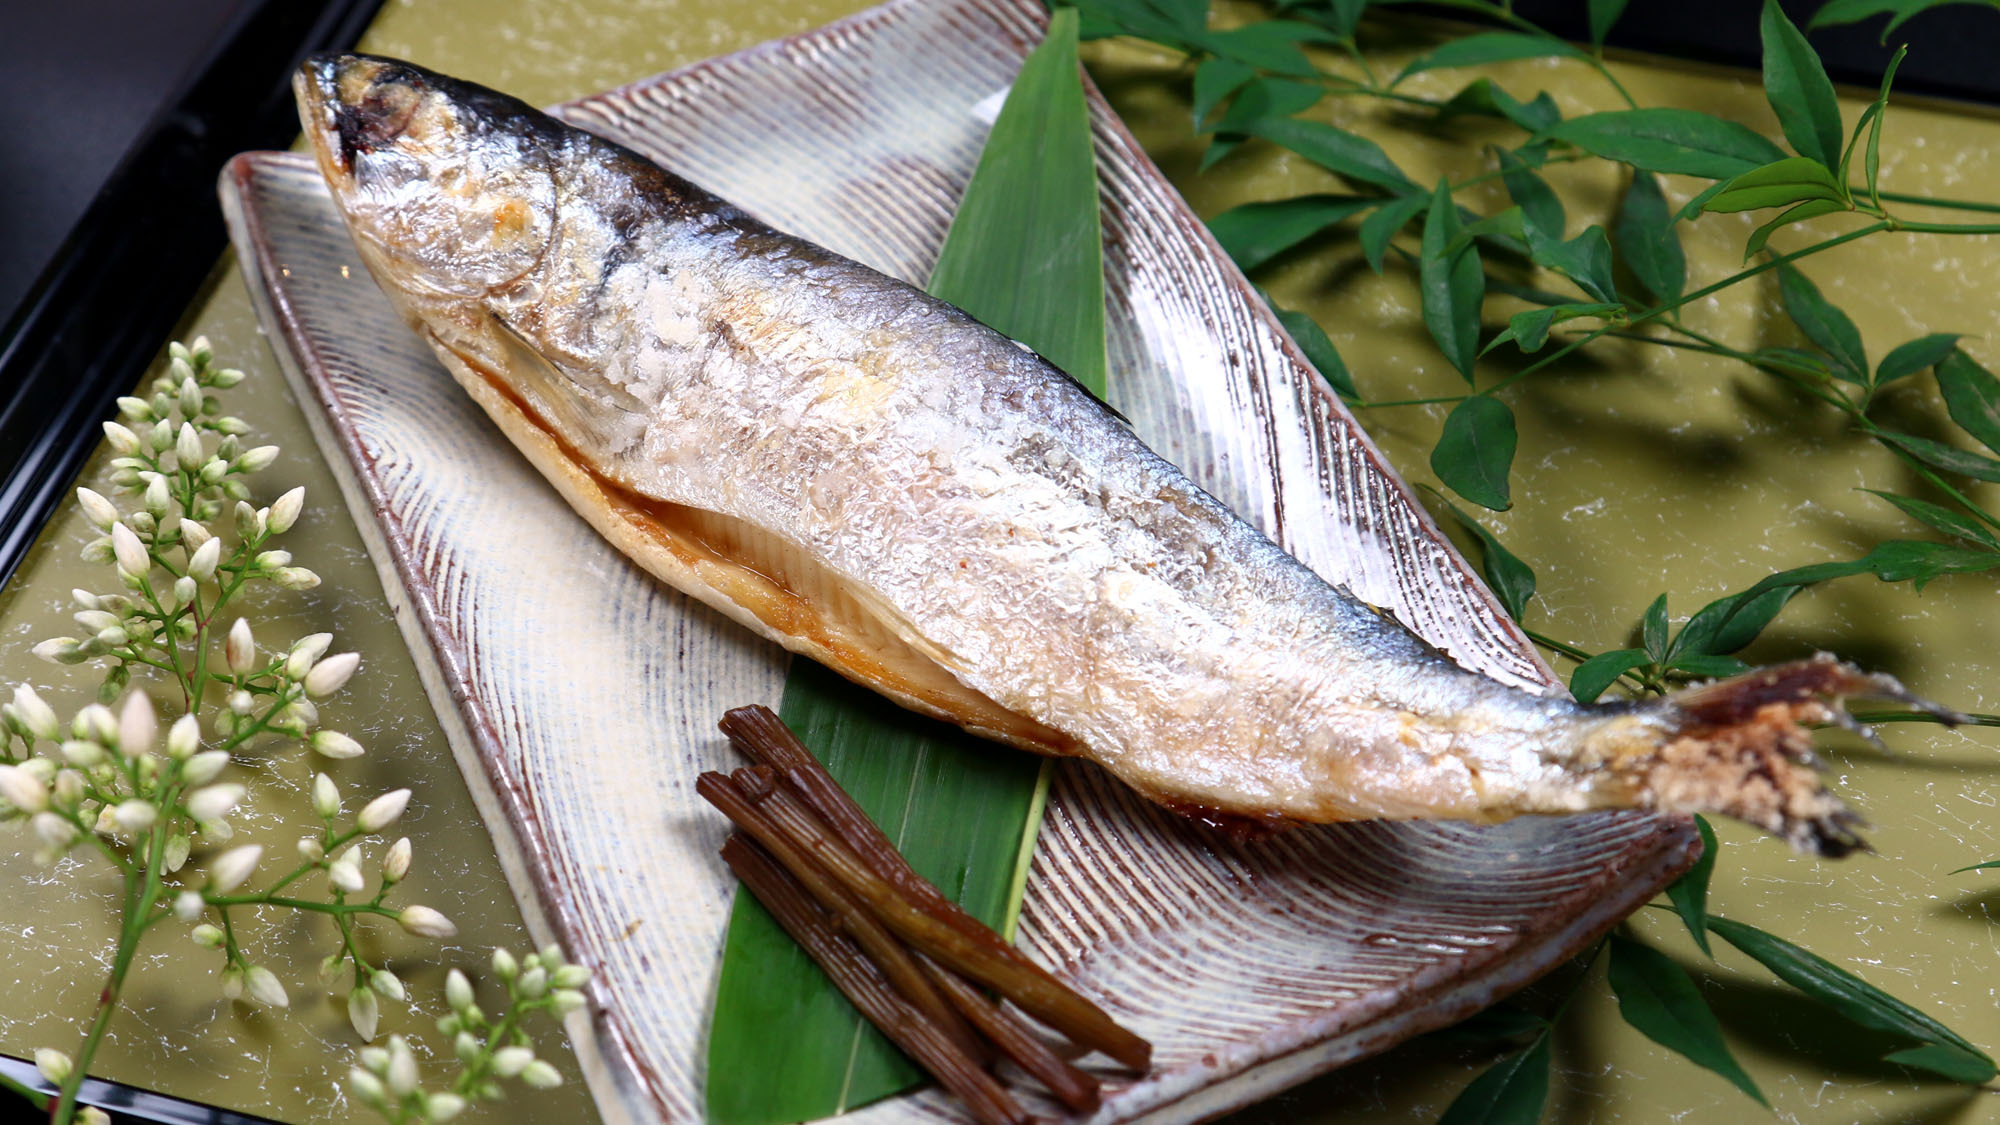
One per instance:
(142, 893)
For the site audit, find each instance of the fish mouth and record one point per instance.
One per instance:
(355, 104)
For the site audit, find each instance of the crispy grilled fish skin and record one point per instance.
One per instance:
(872, 478)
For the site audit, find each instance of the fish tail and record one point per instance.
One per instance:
(1743, 747)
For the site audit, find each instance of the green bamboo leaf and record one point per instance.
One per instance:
(1837, 988)
(1484, 97)
(1593, 676)
(1529, 330)
(1312, 340)
(1180, 25)
(1920, 353)
(1669, 140)
(1024, 254)
(1378, 228)
(1510, 1092)
(1585, 259)
(1510, 579)
(1871, 117)
(1798, 89)
(1215, 79)
(1694, 207)
(1811, 208)
(1989, 864)
(1836, 12)
(1647, 240)
(1943, 519)
(1653, 629)
(1504, 229)
(1476, 451)
(1271, 45)
(1452, 284)
(1945, 1061)
(1603, 14)
(1489, 47)
(1972, 396)
(1656, 996)
(1340, 16)
(1254, 233)
(1538, 202)
(1781, 182)
(1689, 893)
(1336, 150)
(1951, 459)
(1824, 324)
(1266, 99)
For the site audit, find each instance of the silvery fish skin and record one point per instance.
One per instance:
(874, 479)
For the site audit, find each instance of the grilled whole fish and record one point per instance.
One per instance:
(873, 479)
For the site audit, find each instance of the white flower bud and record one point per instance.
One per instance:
(232, 867)
(137, 815)
(208, 936)
(227, 378)
(563, 1001)
(183, 592)
(403, 1074)
(249, 525)
(345, 874)
(541, 1075)
(271, 560)
(83, 754)
(213, 470)
(194, 536)
(200, 351)
(375, 1059)
(242, 702)
(285, 511)
(232, 982)
(534, 982)
(137, 409)
(333, 744)
(257, 459)
(122, 440)
(363, 1013)
(383, 811)
(457, 990)
(91, 1115)
(306, 652)
(325, 797)
(426, 922)
(387, 985)
(396, 861)
(183, 738)
(570, 976)
(131, 554)
(59, 650)
(239, 649)
(137, 726)
(211, 803)
(53, 830)
(263, 986)
(96, 508)
(368, 1089)
(509, 1062)
(68, 788)
(504, 965)
(54, 1065)
(178, 369)
(466, 1046)
(295, 578)
(202, 564)
(95, 723)
(175, 855)
(187, 444)
(37, 717)
(443, 1107)
(310, 849)
(24, 791)
(158, 500)
(188, 905)
(331, 674)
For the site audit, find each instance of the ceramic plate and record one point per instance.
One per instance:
(581, 696)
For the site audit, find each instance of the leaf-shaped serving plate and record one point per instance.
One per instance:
(580, 696)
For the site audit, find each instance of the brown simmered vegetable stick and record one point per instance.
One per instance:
(890, 956)
(988, 960)
(1072, 1087)
(863, 984)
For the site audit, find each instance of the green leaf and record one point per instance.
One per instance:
(1945, 1061)
(1798, 89)
(1024, 254)
(1254, 233)
(1451, 285)
(1689, 893)
(1991, 863)
(1941, 518)
(1836, 12)
(1510, 579)
(1647, 241)
(1593, 676)
(1266, 99)
(1603, 13)
(1378, 228)
(1215, 79)
(1669, 140)
(1271, 45)
(1585, 259)
(1482, 96)
(1839, 989)
(1510, 1092)
(1920, 353)
(1476, 450)
(1180, 25)
(1871, 119)
(1653, 629)
(1538, 202)
(1656, 996)
(1336, 150)
(1824, 324)
(1529, 329)
(1972, 396)
(1313, 341)
(1714, 667)
(1781, 182)
(1812, 208)
(1489, 47)
(1693, 207)
(1951, 459)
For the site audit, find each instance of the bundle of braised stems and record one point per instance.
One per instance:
(907, 956)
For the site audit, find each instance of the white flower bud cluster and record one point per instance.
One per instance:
(388, 1079)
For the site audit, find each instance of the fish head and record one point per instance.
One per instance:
(448, 188)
